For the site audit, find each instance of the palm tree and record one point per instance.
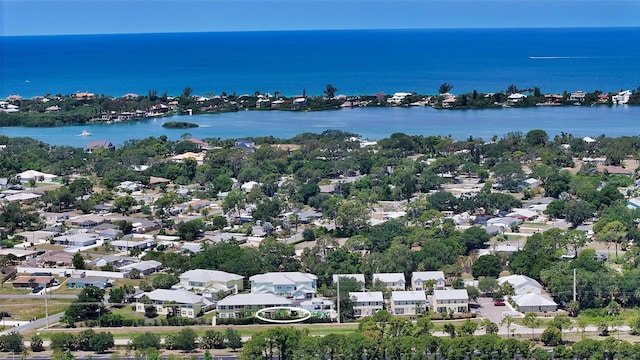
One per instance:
(445, 88)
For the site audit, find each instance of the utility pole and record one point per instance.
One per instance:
(46, 308)
(574, 284)
(338, 297)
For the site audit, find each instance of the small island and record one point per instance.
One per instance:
(179, 125)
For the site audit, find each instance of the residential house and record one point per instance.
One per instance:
(577, 96)
(392, 281)
(33, 281)
(290, 284)
(521, 284)
(213, 281)
(516, 98)
(366, 303)
(408, 302)
(319, 307)
(420, 279)
(357, 277)
(92, 146)
(245, 305)
(179, 302)
(83, 282)
(245, 144)
(450, 301)
(504, 222)
(622, 97)
(129, 243)
(76, 240)
(398, 97)
(533, 302)
(34, 175)
(144, 267)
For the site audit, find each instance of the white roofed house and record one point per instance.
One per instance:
(532, 302)
(392, 281)
(450, 301)
(408, 302)
(181, 302)
(213, 281)
(357, 277)
(420, 280)
(28, 175)
(245, 305)
(366, 303)
(144, 267)
(296, 285)
(521, 284)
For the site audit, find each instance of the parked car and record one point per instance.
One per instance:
(4, 314)
(499, 303)
(474, 305)
(37, 289)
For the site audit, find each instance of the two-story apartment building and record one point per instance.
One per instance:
(450, 301)
(392, 281)
(211, 280)
(420, 280)
(245, 305)
(408, 302)
(181, 302)
(366, 303)
(295, 285)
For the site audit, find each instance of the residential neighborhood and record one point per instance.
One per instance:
(245, 232)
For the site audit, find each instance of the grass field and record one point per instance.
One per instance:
(26, 309)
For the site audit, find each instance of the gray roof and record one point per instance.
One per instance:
(428, 275)
(408, 296)
(204, 276)
(180, 296)
(368, 296)
(451, 294)
(532, 299)
(283, 277)
(254, 299)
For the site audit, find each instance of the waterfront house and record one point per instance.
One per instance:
(392, 281)
(408, 302)
(577, 96)
(245, 305)
(213, 281)
(521, 284)
(290, 284)
(450, 301)
(94, 145)
(622, 97)
(357, 277)
(179, 302)
(366, 303)
(420, 280)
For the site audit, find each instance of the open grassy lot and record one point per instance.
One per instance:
(25, 309)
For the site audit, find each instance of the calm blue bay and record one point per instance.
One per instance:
(371, 123)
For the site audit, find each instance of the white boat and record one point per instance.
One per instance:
(85, 133)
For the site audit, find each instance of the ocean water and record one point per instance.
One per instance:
(355, 62)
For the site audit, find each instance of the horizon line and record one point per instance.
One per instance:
(329, 30)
